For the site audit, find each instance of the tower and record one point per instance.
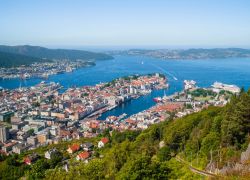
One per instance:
(4, 134)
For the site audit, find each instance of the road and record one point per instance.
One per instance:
(195, 170)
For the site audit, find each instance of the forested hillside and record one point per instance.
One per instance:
(41, 52)
(211, 139)
(13, 60)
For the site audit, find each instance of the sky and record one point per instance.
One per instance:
(125, 23)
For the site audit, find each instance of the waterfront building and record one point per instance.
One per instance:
(189, 84)
(217, 86)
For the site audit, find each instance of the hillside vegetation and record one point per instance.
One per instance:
(41, 52)
(14, 60)
(216, 135)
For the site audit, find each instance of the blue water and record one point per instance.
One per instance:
(205, 72)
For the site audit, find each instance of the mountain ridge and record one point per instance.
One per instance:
(42, 52)
(8, 60)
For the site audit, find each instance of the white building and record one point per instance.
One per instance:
(218, 86)
(189, 84)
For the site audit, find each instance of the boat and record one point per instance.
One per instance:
(157, 99)
(25, 76)
(45, 75)
(123, 115)
(69, 69)
(112, 107)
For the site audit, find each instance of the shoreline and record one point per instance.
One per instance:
(45, 74)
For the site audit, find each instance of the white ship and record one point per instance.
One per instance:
(69, 69)
(189, 84)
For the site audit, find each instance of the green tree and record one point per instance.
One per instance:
(236, 122)
(56, 158)
(38, 169)
(30, 132)
(164, 154)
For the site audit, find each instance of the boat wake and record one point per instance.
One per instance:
(163, 70)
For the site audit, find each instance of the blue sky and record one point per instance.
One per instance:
(132, 23)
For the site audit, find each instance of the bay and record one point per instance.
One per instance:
(205, 72)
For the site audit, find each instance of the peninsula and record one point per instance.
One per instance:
(215, 53)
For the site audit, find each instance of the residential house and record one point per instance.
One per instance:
(32, 140)
(30, 158)
(50, 153)
(19, 148)
(83, 156)
(73, 148)
(102, 142)
(7, 147)
(87, 146)
(18, 125)
(42, 137)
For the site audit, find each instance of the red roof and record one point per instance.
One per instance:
(64, 133)
(27, 160)
(130, 121)
(84, 155)
(94, 125)
(75, 147)
(169, 107)
(105, 140)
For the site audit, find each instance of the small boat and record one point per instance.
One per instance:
(25, 76)
(123, 115)
(45, 75)
(112, 107)
(157, 99)
(69, 69)
(142, 62)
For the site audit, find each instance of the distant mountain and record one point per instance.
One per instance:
(41, 52)
(13, 60)
(188, 53)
